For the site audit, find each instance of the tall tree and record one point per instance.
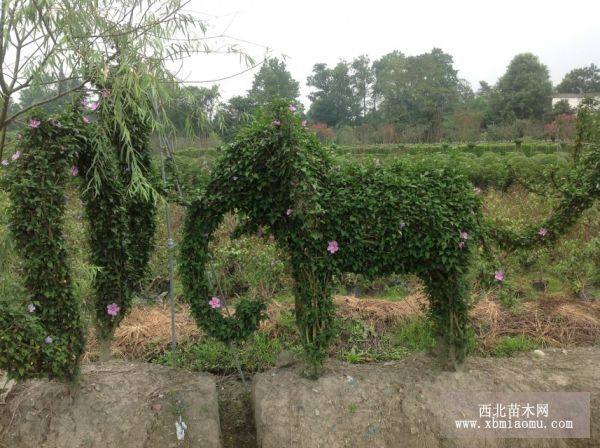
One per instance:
(238, 111)
(192, 108)
(272, 81)
(581, 80)
(333, 100)
(362, 81)
(388, 86)
(524, 90)
(420, 89)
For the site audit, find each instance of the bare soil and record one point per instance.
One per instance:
(114, 405)
(398, 404)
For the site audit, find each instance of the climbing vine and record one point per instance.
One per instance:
(123, 219)
(46, 337)
(331, 218)
(576, 193)
(43, 335)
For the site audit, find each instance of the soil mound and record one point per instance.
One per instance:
(400, 404)
(115, 404)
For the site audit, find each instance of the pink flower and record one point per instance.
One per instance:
(293, 108)
(276, 123)
(5, 163)
(84, 102)
(93, 106)
(87, 120)
(31, 308)
(105, 93)
(477, 190)
(214, 302)
(464, 235)
(16, 155)
(48, 340)
(34, 123)
(461, 245)
(543, 232)
(499, 276)
(288, 211)
(112, 309)
(304, 123)
(333, 247)
(74, 171)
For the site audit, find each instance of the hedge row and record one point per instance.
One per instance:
(527, 148)
(488, 170)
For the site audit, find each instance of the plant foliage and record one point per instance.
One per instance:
(48, 339)
(42, 335)
(403, 218)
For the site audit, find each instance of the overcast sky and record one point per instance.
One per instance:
(481, 35)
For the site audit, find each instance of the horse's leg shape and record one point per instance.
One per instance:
(448, 308)
(314, 314)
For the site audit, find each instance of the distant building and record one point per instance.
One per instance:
(574, 99)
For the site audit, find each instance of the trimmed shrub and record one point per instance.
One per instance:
(416, 217)
(43, 335)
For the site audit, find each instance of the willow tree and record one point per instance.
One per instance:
(112, 52)
(60, 46)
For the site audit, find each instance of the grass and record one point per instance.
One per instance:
(258, 353)
(416, 335)
(511, 345)
(394, 293)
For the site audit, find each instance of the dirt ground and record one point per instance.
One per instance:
(398, 404)
(114, 405)
(236, 411)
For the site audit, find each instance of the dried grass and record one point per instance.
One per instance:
(147, 331)
(553, 321)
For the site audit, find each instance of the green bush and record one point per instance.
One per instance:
(330, 219)
(42, 332)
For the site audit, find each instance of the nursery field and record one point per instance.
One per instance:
(277, 251)
(495, 165)
(549, 297)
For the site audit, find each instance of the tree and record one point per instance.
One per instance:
(562, 107)
(52, 43)
(387, 88)
(334, 101)
(420, 89)
(362, 81)
(524, 91)
(236, 112)
(272, 81)
(581, 80)
(193, 109)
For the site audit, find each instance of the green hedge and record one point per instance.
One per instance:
(409, 217)
(42, 335)
(527, 148)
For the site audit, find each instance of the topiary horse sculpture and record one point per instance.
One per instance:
(405, 218)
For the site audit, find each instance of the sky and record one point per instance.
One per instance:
(481, 35)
